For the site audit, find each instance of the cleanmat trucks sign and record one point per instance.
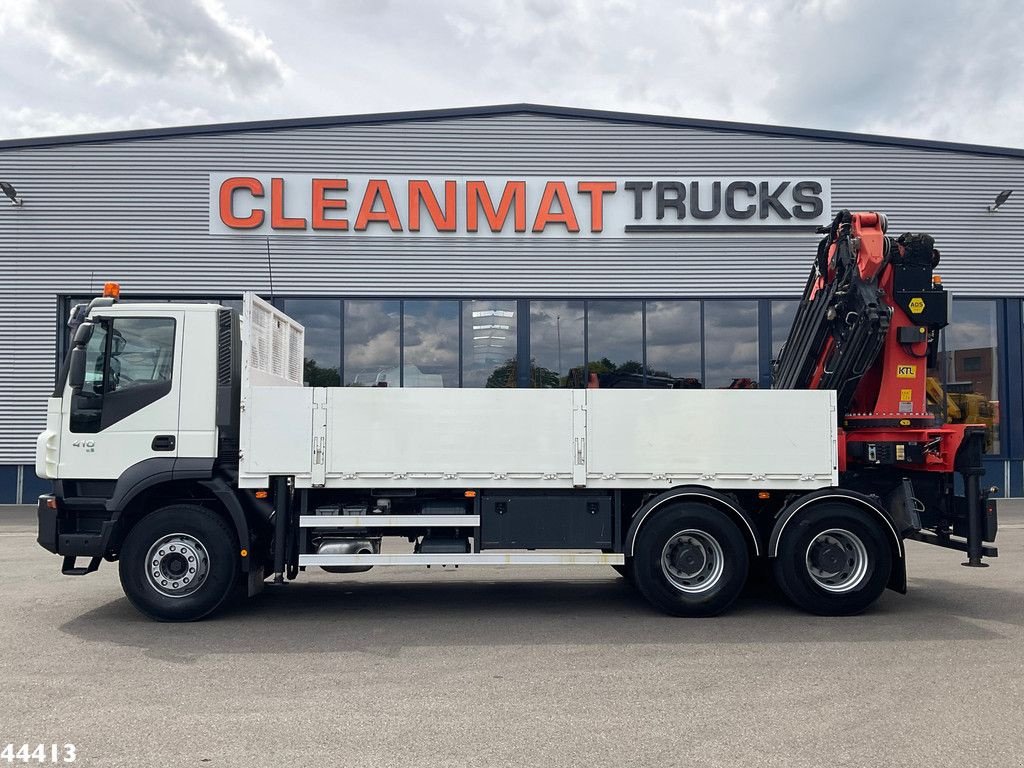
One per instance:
(491, 206)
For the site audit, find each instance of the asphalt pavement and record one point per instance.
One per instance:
(519, 667)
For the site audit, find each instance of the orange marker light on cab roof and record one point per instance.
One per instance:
(470, 494)
(261, 494)
(936, 279)
(111, 290)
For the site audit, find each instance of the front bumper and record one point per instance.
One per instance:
(47, 515)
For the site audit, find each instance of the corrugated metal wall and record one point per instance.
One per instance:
(136, 211)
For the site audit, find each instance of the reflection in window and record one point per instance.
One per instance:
(556, 342)
(141, 352)
(371, 343)
(730, 344)
(783, 312)
(431, 344)
(673, 344)
(615, 343)
(488, 343)
(969, 368)
(322, 320)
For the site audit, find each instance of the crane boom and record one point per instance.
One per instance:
(867, 326)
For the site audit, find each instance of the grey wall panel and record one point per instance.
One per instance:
(136, 211)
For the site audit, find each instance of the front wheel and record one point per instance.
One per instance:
(834, 559)
(180, 563)
(690, 560)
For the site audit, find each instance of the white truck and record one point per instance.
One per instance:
(183, 445)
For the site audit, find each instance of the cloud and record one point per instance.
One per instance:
(951, 71)
(30, 121)
(125, 41)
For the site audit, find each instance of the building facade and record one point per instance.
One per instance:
(521, 246)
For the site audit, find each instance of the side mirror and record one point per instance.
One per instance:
(76, 371)
(83, 333)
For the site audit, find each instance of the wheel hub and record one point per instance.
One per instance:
(177, 565)
(837, 560)
(688, 558)
(828, 557)
(692, 561)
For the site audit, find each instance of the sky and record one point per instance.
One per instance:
(932, 69)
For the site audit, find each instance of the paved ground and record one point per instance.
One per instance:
(488, 667)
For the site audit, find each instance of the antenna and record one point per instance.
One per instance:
(270, 270)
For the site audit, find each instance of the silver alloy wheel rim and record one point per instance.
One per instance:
(846, 575)
(693, 561)
(177, 565)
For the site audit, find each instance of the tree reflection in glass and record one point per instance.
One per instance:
(489, 343)
(556, 342)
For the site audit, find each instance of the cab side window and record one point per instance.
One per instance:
(141, 352)
(128, 365)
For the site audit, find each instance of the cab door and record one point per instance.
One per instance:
(126, 411)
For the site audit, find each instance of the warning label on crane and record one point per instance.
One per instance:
(916, 305)
(906, 371)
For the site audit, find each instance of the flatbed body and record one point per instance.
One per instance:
(350, 437)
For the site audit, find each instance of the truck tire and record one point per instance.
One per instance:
(834, 559)
(180, 563)
(690, 560)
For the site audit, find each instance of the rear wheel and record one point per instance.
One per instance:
(690, 560)
(180, 563)
(834, 559)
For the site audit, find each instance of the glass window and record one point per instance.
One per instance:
(141, 352)
(134, 353)
(371, 343)
(431, 354)
(783, 312)
(488, 343)
(969, 367)
(322, 320)
(730, 344)
(95, 352)
(615, 342)
(673, 344)
(87, 404)
(556, 342)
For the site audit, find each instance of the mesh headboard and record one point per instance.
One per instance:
(272, 344)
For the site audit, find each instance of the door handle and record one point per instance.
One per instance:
(163, 443)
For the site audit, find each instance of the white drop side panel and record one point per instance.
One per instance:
(490, 438)
(276, 434)
(276, 422)
(385, 437)
(720, 438)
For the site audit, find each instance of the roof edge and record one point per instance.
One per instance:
(506, 109)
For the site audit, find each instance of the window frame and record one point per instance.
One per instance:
(143, 395)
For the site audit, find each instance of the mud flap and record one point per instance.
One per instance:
(256, 578)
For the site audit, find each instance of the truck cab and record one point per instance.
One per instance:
(129, 414)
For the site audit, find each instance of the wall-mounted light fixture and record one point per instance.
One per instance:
(1001, 198)
(12, 194)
